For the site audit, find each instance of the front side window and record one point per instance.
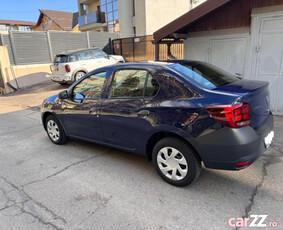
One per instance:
(99, 54)
(86, 55)
(133, 83)
(90, 87)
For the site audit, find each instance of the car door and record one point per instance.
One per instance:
(123, 115)
(81, 111)
(87, 60)
(101, 58)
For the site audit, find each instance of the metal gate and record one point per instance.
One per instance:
(142, 48)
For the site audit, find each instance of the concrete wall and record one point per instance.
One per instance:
(28, 75)
(126, 14)
(22, 75)
(140, 19)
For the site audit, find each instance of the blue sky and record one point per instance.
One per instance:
(27, 10)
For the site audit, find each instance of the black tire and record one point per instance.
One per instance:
(62, 138)
(192, 159)
(63, 83)
(78, 74)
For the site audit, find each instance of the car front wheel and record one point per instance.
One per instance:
(55, 130)
(176, 161)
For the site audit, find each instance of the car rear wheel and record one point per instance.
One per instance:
(55, 131)
(176, 161)
(79, 75)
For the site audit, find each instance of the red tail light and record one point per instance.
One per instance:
(67, 68)
(51, 68)
(242, 164)
(233, 116)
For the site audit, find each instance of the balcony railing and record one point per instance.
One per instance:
(93, 17)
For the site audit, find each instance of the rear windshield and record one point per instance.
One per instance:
(60, 59)
(204, 74)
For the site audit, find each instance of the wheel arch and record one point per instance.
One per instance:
(44, 117)
(47, 114)
(160, 135)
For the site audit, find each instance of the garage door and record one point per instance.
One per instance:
(228, 54)
(269, 59)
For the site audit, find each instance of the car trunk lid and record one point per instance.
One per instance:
(255, 93)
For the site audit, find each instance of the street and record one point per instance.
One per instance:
(82, 185)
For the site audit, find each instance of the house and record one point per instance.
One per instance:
(244, 37)
(6, 25)
(130, 17)
(56, 20)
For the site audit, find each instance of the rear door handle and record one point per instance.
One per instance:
(93, 111)
(143, 113)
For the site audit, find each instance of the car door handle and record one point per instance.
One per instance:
(143, 113)
(93, 111)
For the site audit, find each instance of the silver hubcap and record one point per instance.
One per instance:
(53, 130)
(79, 75)
(172, 163)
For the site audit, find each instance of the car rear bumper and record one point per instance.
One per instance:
(223, 148)
(61, 78)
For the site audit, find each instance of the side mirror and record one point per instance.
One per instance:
(63, 95)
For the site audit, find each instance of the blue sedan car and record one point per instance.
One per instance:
(177, 113)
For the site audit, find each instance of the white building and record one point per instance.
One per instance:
(130, 17)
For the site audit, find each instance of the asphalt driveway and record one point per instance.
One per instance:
(86, 186)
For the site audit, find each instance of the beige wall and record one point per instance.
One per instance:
(197, 3)
(5, 70)
(92, 7)
(161, 12)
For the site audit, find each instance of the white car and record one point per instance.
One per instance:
(72, 65)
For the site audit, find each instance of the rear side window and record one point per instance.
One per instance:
(206, 75)
(60, 59)
(73, 58)
(90, 87)
(133, 83)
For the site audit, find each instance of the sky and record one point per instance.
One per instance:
(27, 10)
